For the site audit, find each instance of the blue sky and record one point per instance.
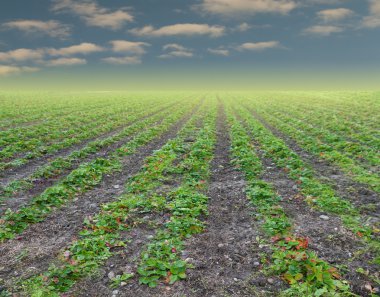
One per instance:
(47, 39)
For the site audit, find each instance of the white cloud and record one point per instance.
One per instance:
(374, 7)
(129, 46)
(243, 27)
(9, 70)
(40, 56)
(373, 20)
(176, 51)
(229, 7)
(219, 51)
(174, 46)
(177, 54)
(259, 46)
(114, 20)
(66, 62)
(180, 29)
(323, 30)
(337, 14)
(21, 54)
(50, 28)
(83, 48)
(123, 60)
(93, 14)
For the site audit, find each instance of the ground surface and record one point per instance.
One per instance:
(131, 195)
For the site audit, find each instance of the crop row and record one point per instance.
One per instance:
(40, 145)
(59, 123)
(318, 194)
(354, 109)
(104, 233)
(82, 179)
(161, 259)
(17, 114)
(333, 123)
(326, 151)
(356, 117)
(306, 274)
(359, 152)
(38, 109)
(60, 164)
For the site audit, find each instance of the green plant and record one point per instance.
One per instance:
(119, 279)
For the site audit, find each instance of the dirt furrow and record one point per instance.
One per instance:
(227, 254)
(327, 235)
(329, 238)
(360, 195)
(36, 248)
(16, 201)
(21, 125)
(54, 115)
(11, 174)
(321, 127)
(127, 260)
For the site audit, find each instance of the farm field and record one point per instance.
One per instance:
(190, 194)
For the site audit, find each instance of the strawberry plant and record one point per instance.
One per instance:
(101, 233)
(291, 258)
(82, 179)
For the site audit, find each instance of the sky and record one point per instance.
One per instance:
(189, 44)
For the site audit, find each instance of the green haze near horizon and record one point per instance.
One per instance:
(195, 79)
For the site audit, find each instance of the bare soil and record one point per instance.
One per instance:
(227, 256)
(328, 238)
(11, 174)
(38, 246)
(21, 198)
(367, 200)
